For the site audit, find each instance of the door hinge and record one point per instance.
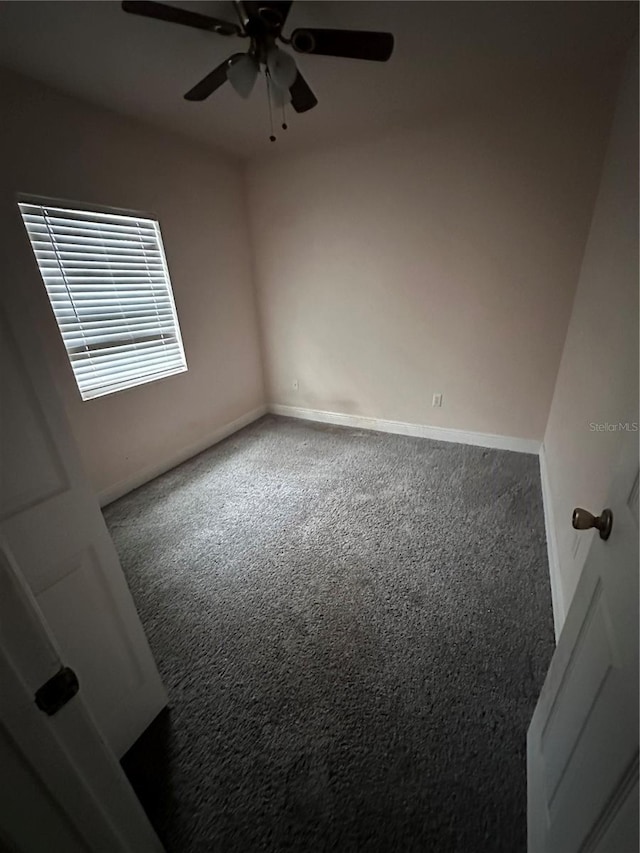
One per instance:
(56, 692)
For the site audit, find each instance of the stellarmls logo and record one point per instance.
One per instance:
(619, 427)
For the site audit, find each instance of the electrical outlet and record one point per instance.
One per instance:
(437, 401)
(294, 384)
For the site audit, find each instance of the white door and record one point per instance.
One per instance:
(62, 787)
(582, 745)
(52, 523)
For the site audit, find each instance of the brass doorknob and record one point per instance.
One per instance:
(584, 520)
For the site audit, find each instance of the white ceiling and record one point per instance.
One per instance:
(444, 51)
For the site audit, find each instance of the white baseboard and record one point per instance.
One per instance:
(459, 436)
(116, 491)
(557, 598)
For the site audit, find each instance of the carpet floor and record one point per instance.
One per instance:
(353, 629)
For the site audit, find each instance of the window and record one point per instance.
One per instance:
(108, 283)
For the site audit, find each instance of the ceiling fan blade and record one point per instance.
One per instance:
(173, 15)
(302, 98)
(212, 81)
(354, 44)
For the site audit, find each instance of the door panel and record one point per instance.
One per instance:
(619, 825)
(582, 746)
(119, 663)
(25, 482)
(62, 787)
(20, 799)
(52, 522)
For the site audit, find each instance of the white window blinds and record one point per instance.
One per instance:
(108, 283)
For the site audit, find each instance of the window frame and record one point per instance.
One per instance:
(106, 210)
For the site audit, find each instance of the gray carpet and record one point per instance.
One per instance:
(353, 629)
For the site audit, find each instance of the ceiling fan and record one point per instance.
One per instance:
(262, 23)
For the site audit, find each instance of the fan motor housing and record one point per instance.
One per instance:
(271, 17)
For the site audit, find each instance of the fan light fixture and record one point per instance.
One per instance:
(243, 73)
(282, 68)
(280, 72)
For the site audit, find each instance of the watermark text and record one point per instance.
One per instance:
(621, 426)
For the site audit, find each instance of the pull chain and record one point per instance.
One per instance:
(267, 77)
(284, 117)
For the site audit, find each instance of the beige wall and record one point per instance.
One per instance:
(56, 146)
(598, 376)
(442, 259)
